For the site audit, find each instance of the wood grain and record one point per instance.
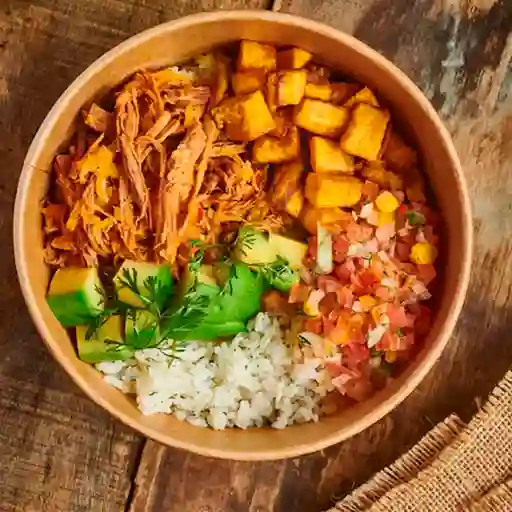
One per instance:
(61, 452)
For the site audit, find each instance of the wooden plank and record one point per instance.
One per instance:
(461, 57)
(59, 451)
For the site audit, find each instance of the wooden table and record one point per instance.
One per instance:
(60, 452)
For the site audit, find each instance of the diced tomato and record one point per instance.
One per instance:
(313, 325)
(357, 286)
(344, 271)
(426, 273)
(328, 325)
(398, 318)
(355, 353)
(345, 297)
(299, 292)
(383, 293)
(377, 268)
(334, 367)
(328, 284)
(328, 303)
(340, 247)
(363, 282)
(368, 277)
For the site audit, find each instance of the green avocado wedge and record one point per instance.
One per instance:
(105, 345)
(231, 307)
(75, 295)
(141, 329)
(154, 283)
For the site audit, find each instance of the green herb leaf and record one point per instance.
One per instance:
(303, 341)
(415, 218)
(245, 241)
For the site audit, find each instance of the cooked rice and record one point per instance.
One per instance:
(252, 381)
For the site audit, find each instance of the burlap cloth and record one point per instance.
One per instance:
(454, 467)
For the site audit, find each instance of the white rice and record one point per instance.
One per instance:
(253, 380)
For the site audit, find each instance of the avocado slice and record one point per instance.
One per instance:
(210, 332)
(231, 307)
(75, 295)
(143, 273)
(253, 247)
(141, 328)
(289, 249)
(106, 345)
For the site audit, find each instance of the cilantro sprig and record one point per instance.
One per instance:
(155, 320)
(415, 218)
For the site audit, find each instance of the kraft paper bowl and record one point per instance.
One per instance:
(172, 43)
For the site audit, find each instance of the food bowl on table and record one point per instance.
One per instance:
(413, 117)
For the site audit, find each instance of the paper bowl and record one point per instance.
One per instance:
(172, 43)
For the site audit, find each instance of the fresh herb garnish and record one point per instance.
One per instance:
(245, 240)
(275, 270)
(153, 322)
(415, 218)
(303, 341)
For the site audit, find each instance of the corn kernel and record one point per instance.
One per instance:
(367, 302)
(423, 253)
(386, 202)
(390, 356)
(386, 218)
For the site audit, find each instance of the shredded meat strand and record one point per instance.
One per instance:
(142, 181)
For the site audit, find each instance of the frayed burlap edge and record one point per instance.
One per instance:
(403, 469)
(496, 500)
(477, 460)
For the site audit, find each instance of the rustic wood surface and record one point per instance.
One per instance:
(60, 452)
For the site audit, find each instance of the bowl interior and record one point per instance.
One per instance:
(173, 43)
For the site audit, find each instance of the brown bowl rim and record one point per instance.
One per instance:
(438, 344)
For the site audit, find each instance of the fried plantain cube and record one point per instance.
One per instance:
(244, 118)
(318, 91)
(320, 117)
(365, 95)
(287, 190)
(247, 81)
(254, 55)
(332, 190)
(365, 132)
(290, 87)
(327, 156)
(273, 150)
(293, 58)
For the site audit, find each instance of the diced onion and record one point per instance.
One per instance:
(324, 262)
(375, 335)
